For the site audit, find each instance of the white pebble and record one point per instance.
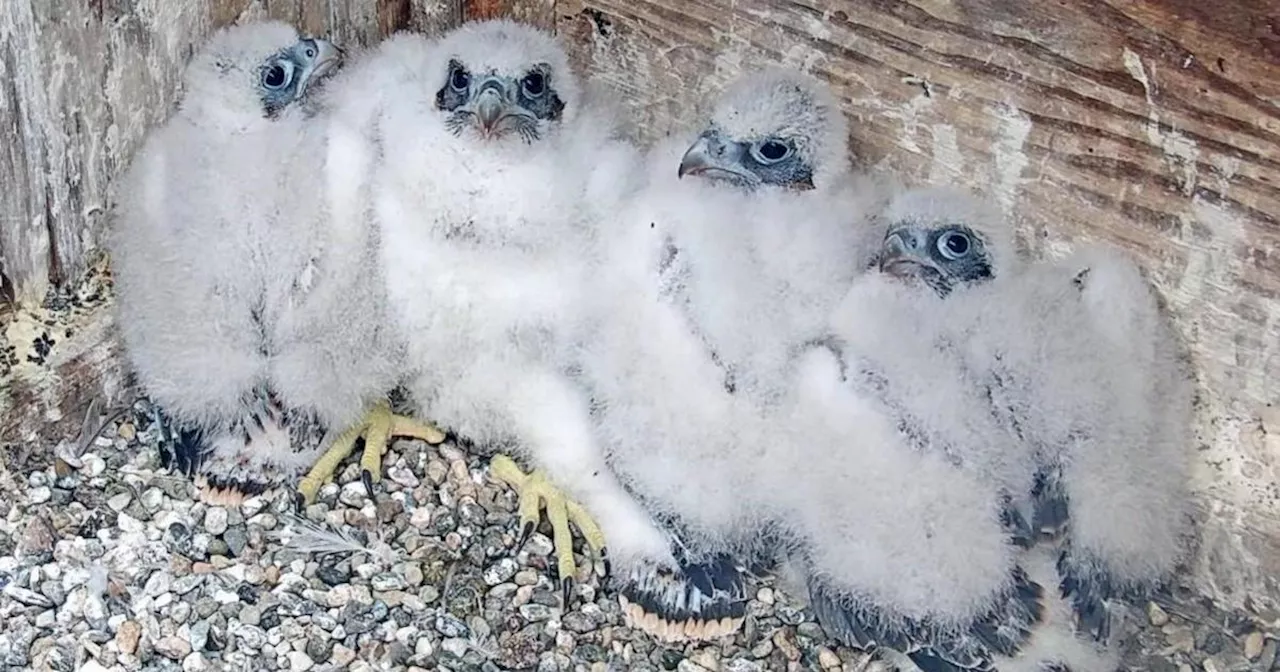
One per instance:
(93, 465)
(39, 495)
(385, 582)
(152, 499)
(424, 647)
(538, 545)
(215, 520)
(194, 663)
(120, 501)
(254, 574)
(406, 634)
(46, 619)
(265, 520)
(341, 656)
(129, 525)
(158, 582)
(339, 596)
(252, 506)
(421, 516)
(353, 494)
(403, 476)
(225, 597)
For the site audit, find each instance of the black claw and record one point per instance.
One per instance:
(299, 503)
(567, 586)
(525, 533)
(604, 558)
(367, 477)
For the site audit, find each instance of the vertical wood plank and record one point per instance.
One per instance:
(541, 13)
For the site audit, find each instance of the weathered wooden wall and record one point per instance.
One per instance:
(1153, 124)
(82, 80)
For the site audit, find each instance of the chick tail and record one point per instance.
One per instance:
(859, 624)
(255, 454)
(697, 601)
(931, 646)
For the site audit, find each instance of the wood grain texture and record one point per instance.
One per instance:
(540, 13)
(1151, 124)
(81, 82)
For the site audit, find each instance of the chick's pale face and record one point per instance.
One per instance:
(494, 105)
(942, 257)
(770, 159)
(288, 75)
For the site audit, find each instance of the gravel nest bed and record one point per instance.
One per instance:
(114, 565)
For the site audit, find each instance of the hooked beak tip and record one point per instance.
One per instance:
(695, 160)
(489, 111)
(688, 169)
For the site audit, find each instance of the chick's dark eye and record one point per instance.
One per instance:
(771, 151)
(310, 52)
(274, 77)
(954, 245)
(459, 80)
(534, 84)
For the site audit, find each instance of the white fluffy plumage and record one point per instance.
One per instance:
(495, 172)
(249, 314)
(1057, 386)
(901, 545)
(724, 262)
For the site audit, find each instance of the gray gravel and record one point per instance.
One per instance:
(116, 566)
(111, 563)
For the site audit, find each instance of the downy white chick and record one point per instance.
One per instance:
(729, 257)
(929, 566)
(1094, 382)
(495, 173)
(188, 255)
(1065, 370)
(239, 310)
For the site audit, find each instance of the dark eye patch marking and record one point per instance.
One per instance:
(278, 82)
(788, 170)
(456, 89)
(545, 105)
(972, 266)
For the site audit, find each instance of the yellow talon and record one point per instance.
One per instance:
(535, 492)
(377, 427)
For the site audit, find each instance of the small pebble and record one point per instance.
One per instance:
(127, 637)
(152, 499)
(500, 572)
(119, 502)
(534, 612)
(1253, 645)
(215, 520)
(1156, 615)
(342, 656)
(455, 646)
(385, 582)
(93, 465)
(173, 648)
(300, 662)
(194, 663)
